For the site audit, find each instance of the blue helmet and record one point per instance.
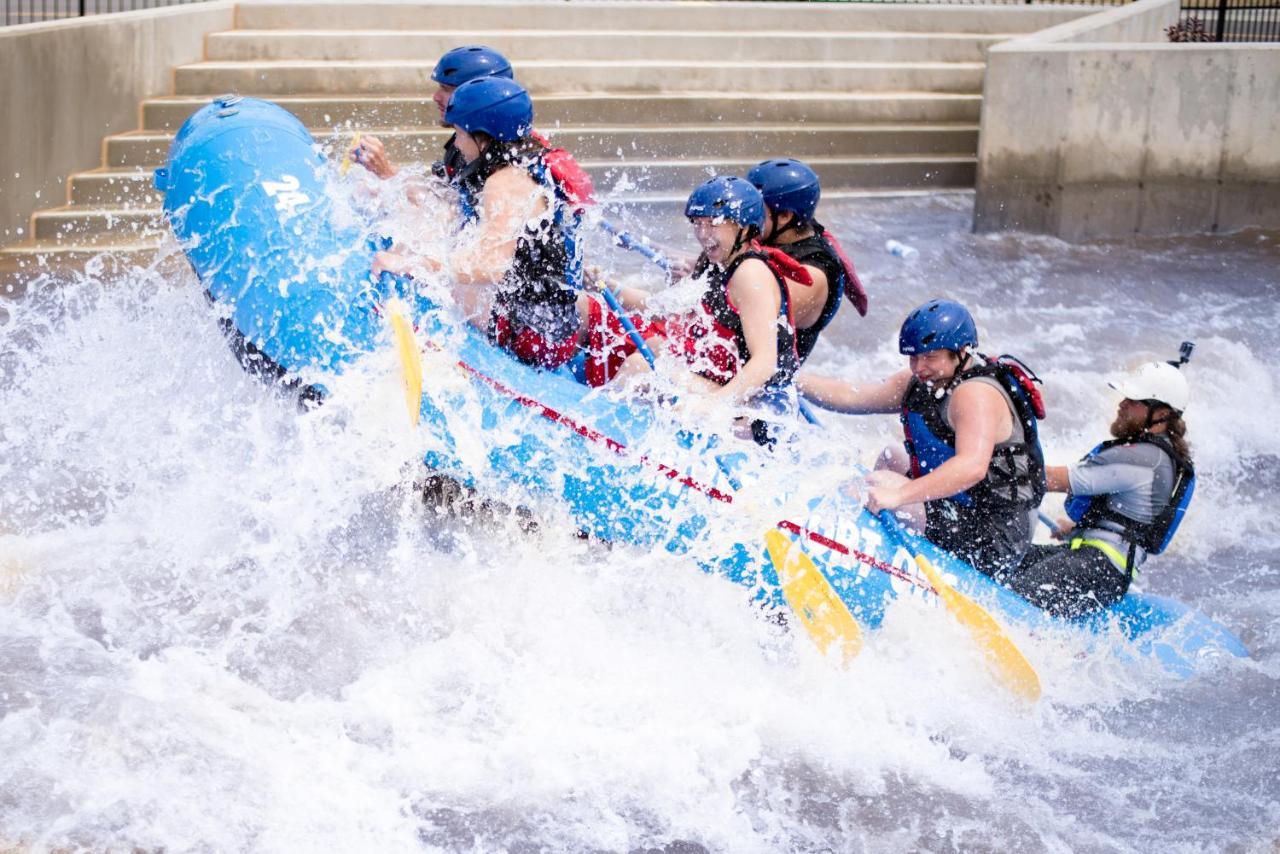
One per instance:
(496, 106)
(937, 325)
(787, 185)
(470, 62)
(733, 199)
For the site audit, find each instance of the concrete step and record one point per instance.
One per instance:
(641, 15)
(21, 265)
(100, 227)
(107, 260)
(678, 177)
(107, 188)
(132, 215)
(699, 108)
(601, 44)
(546, 76)
(631, 143)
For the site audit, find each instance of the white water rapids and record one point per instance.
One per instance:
(225, 626)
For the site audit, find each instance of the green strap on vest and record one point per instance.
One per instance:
(1106, 548)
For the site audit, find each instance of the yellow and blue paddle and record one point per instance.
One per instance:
(410, 360)
(1008, 662)
(346, 160)
(811, 597)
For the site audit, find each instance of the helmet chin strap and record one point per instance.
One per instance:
(740, 241)
(965, 355)
(774, 231)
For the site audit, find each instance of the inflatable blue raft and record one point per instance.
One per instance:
(244, 189)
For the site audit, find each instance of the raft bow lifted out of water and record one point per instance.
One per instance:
(245, 192)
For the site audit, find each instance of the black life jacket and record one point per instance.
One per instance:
(540, 289)
(1015, 476)
(1087, 511)
(728, 350)
(822, 251)
(571, 179)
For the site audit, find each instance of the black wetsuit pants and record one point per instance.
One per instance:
(1068, 582)
(992, 542)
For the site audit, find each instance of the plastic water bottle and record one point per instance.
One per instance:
(901, 250)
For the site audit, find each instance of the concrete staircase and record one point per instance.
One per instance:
(650, 96)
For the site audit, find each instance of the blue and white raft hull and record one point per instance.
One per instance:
(245, 191)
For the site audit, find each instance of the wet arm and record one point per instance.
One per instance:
(754, 292)
(981, 418)
(632, 299)
(510, 201)
(841, 396)
(1056, 479)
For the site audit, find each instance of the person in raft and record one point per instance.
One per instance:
(971, 432)
(462, 65)
(516, 269)
(739, 341)
(1128, 496)
(791, 191)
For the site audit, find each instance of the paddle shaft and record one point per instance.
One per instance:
(1010, 664)
(629, 241)
(627, 326)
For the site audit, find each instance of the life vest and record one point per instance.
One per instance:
(572, 181)
(1087, 511)
(451, 163)
(539, 291)
(715, 344)
(821, 250)
(1015, 476)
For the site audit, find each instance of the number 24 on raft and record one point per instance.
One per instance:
(285, 192)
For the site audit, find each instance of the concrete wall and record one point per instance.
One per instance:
(65, 85)
(1084, 137)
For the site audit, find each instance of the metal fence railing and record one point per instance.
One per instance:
(1201, 20)
(36, 11)
(970, 2)
(1228, 21)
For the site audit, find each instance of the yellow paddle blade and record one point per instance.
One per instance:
(346, 159)
(1008, 661)
(410, 360)
(818, 607)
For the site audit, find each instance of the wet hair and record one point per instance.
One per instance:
(1176, 431)
(494, 152)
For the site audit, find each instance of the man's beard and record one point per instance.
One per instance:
(1127, 429)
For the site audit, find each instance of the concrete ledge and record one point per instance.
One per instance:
(1083, 137)
(1137, 22)
(66, 84)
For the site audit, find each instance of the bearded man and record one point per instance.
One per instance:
(1128, 496)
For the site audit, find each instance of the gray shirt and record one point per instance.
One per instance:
(1138, 479)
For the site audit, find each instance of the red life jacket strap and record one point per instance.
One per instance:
(571, 178)
(783, 265)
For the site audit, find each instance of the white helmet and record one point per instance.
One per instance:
(1160, 381)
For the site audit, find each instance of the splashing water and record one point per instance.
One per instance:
(230, 626)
